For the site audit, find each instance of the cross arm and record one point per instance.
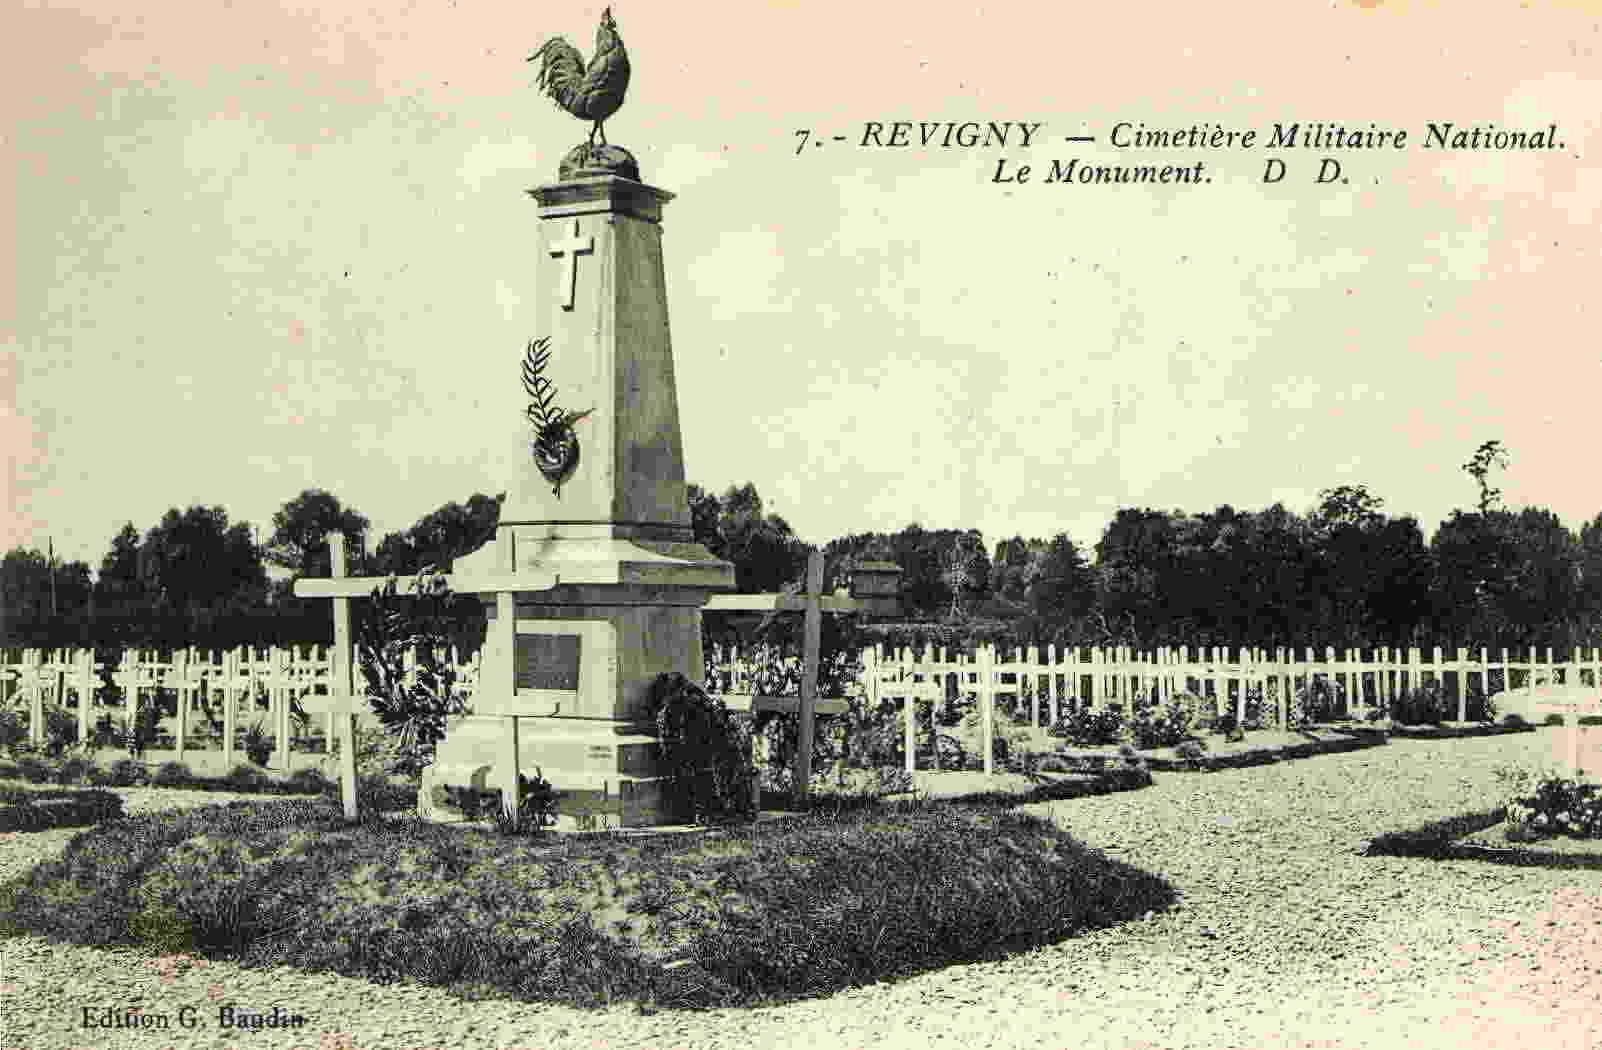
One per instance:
(781, 602)
(406, 586)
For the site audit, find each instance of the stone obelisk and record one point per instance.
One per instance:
(609, 527)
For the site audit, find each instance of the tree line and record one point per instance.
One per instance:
(1341, 573)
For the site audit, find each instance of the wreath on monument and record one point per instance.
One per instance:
(556, 446)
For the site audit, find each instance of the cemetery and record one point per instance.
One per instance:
(594, 809)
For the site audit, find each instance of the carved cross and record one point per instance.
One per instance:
(568, 251)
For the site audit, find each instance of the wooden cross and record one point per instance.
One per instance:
(342, 700)
(341, 691)
(813, 605)
(568, 251)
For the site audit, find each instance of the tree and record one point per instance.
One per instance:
(301, 528)
(1474, 566)
(440, 537)
(1590, 559)
(1064, 587)
(1488, 455)
(705, 514)
(1347, 505)
(118, 586)
(196, 560)
(765, 551)
(25, 580)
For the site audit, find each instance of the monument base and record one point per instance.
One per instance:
(605, 772)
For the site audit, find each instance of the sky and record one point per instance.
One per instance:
(257, 248)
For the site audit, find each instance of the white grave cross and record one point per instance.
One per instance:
(568, 251)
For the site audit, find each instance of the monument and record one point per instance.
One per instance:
(600, 504)
(593, 584)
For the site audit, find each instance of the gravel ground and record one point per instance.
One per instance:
(1285, 937)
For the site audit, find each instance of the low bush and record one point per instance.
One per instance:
(34, 769)
(1191, 749)
(74, 769)
(61, 729)
(12, 730)
(1423, 705)
(127, 772)
(245, 778)
(172, 774)
(307, 781)
(258, 745)
(1514, 719)
(1550, 803)
(1155, 727)
(1085, 728)
(1317, 700)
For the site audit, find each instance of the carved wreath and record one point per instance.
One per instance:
(556, 445)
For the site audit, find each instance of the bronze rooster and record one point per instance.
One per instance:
(590, 92)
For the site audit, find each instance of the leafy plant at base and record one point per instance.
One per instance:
(536, 805)
(1550, 803)
(413, 704)
(1085, 728)
(258, 745)
(61, 729)
(12, 731)
(1423, 705)
(1160, 727)
(706, 756)
(1316, 700)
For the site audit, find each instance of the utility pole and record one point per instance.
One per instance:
(51, 541)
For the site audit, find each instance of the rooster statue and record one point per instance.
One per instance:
(590, 92)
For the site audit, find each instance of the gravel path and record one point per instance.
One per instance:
(1285, 937)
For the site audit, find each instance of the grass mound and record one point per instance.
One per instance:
(737, 916)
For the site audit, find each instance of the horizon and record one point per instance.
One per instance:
(272, 251)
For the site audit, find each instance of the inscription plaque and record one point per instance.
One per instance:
(547, 661)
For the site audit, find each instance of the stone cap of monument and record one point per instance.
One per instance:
(601, 193)
(587, 161)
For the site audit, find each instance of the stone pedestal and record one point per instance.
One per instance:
(615, 579)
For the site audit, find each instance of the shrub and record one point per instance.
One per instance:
(127, 772)
(1514, 719)
(246, 779)
(1085, 728)
(172, 774)
(61, 729)
(1549, 803)
(307, 781)
(707, 757)
(33, 769)
(75, 769)
(1255, 708)
(1317, 700)
(258, 745)
(1479, 707)
(109, 733)
(146, 726)
(1424, 705)
(1225, 723)
(1164, 727)
(1191, 749)
(12, 731)
(414, 704)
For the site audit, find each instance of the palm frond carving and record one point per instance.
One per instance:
(555, 446)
